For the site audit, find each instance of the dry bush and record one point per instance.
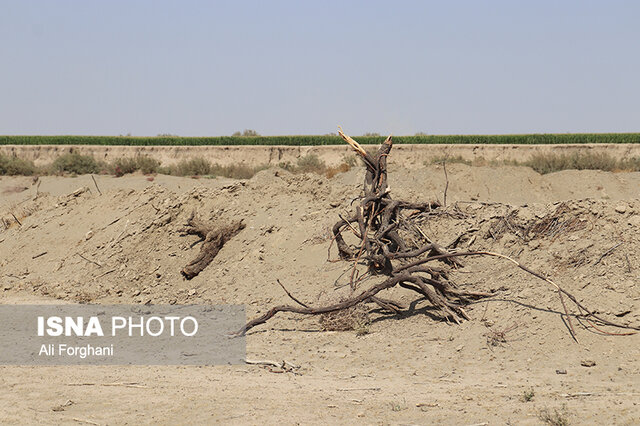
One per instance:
(311, 163)
(146, 165)
(549, 163)
(14, 166)
(237, 171)
(191, 167)
(555, 418)
(76, 164)
(203, 167)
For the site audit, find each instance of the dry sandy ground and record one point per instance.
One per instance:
(409, 369)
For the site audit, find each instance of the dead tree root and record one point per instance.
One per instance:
(391, 246)
(214, 236)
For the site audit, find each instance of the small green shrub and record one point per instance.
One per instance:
(528, 395)
(13, 166)
(76, 163)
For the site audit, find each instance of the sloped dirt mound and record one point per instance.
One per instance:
(125, 247)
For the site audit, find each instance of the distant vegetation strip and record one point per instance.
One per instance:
(322, 140)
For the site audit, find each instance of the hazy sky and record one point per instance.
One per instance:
(207, 68)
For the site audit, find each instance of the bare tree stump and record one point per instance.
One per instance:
(214, 235)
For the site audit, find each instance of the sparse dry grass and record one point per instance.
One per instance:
(544, 163)
(311, 163)
(203, 167)
(74, 163)
(555, 417)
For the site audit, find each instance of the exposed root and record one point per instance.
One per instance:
(214, 235)
(392, 245)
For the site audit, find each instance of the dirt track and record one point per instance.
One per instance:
(410, 370)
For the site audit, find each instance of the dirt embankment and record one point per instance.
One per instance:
(406, 155)
(413, 368)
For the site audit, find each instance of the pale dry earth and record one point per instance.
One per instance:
(409, 369)
(332, 155)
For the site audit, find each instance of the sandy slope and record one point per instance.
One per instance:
(409, 370)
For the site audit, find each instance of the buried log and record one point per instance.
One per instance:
(390, 245)
(214, 235)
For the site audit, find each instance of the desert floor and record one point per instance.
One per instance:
(412, 368)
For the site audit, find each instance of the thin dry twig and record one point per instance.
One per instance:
(291, 295)
(608, 252)
(89, 260)
(446, 176)
(17, 220)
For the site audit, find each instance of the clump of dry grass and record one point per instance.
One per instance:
(555, 418)
(355, 318)
(549, 163)
(237, 171)
(334, 170)
(203, 167)
(311, 163)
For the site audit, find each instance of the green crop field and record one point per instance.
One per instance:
(323, 140)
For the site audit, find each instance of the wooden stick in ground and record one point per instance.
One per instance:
(96, 184)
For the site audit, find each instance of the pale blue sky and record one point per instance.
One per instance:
(208, 68)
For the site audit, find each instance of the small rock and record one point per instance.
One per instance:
(334, 204)
(621, 208)
(587, 363)
(88, 235)
(561, 371)
(192, 292)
